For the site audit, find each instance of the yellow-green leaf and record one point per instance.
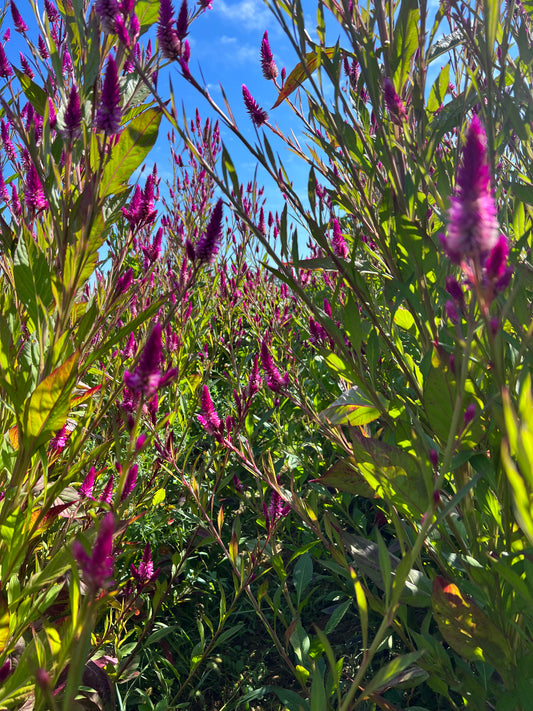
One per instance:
(301, 71)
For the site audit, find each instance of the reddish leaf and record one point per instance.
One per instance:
(301, 71)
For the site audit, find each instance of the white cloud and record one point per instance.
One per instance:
(250, 14)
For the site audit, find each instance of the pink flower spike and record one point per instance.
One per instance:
(167, 36)
(393, 103)
(472, 223)
(106, 496)
(109, 114)
(207, 246)
(497, 260)
(97, 568)
(469, 415)
(257, 114)
(145, 573)
(72, 117)
(338, 243)
(131, 481)
(268, 66)
(86, 489)
(5, 67)
(274, 379)
(209, 418)
(107, 11)
(34, 196)
(19, 23)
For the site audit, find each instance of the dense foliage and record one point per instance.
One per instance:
(234, 475)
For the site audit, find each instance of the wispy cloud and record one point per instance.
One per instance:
(249, 14)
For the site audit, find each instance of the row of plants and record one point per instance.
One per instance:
(235, 475)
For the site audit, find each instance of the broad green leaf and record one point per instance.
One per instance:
(35, 95)
(353, 407)
(403, 318)
(439, 394)
(345, 476)
(47, 408)
(466, 628)
(318, 692)
(135, 142)
(405, 40)
(390, 672)
(303, 572)
(301, 71)
(32, 278)
(147, 13)
(337, 616)
(364, 555)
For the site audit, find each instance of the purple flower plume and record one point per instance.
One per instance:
(207, 246)
(106, 497)
(107, 11)
(258, 115)
(209, 418)
(393, 102)
(131, 481)
(5, 67)
(268, 66)
(109, 113)
(145, 573)
(147, 378)
(338, 243)
(254, 380)
(19, 23)
(86, 489)
(72, 117)
(182, 23)
(275, 380)
(167, 35)
(51, 12)
(34, 197)
(97, 568)
(472, 223)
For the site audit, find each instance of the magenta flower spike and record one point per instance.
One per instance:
(169, 42)
(182, 23)
(51, 12)
(131, 481)
(209, 418)
(43, 49)
(268, 65)
(207, 246)
(106, 496)
(472, 223)
(257, 114)
(338, 243)
(393, 103)
(19, 23)
(97, 568)
(34, 197)
(254, 381)
(107, 11)
(86, 489)
(274, 379)
(147, 378)
(109, 113)
(145, 573)
(72, 117)
(5, 67)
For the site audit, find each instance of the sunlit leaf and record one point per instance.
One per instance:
(301, 71)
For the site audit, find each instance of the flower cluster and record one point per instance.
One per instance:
(97, 568)
(147, 378)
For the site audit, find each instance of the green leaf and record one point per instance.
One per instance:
(345, 476)
(387, 674)
(301, 71)
(136, 141)
(158, 497)
(337, 616)
(33, 281)
(35, 95)
(405, 41)
(303, 572)
(439, 396)
(365, 556)
(147, 12)
(353, 407)
(466, 628)
(47, 408)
